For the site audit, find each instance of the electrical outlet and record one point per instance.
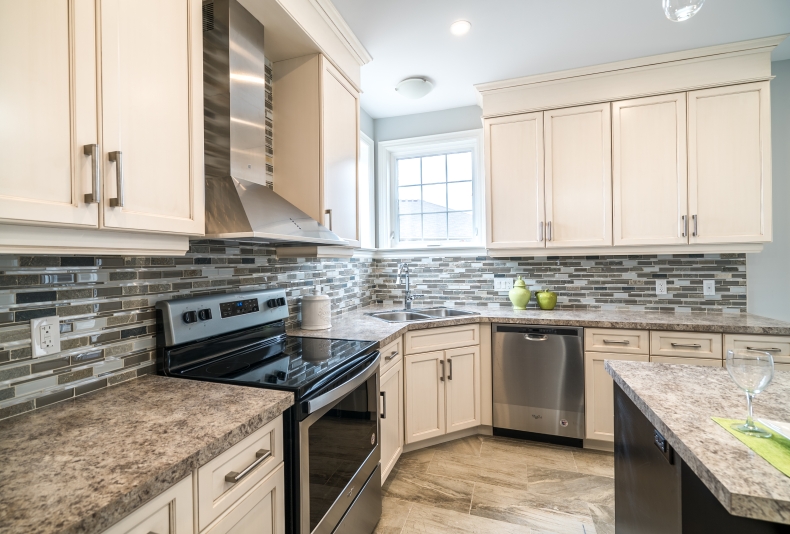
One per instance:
(45, 336)
(708, 288)
(661, 287)
(503, 284)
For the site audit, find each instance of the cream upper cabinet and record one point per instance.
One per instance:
(649, 180)
(391, 414)
(424, 381)
(462, 388)
(317, 116)
(152, 115)
(578, 166)
(514, 181)
(729, 146)
(49, 113)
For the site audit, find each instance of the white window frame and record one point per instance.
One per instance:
(388, 154)
(365, 140)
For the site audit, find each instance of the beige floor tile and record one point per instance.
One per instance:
(416, 461)
(530, 452)
(428, 520)
(428, 489)
(594, 462)
(488, 470)
(565, 484)
(469, 446)
(393, 515)
(539, 512)
(603, 518)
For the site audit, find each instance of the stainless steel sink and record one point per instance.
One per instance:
(411, 316)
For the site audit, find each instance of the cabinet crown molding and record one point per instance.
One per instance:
(335, 20)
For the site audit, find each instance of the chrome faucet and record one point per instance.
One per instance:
(403, 269)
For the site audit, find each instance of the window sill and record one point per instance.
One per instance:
(423, 252)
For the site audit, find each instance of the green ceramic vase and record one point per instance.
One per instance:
(546, 299)
(519, 295)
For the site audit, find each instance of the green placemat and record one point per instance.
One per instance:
(775, 450)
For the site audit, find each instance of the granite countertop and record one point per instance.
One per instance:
(679, 400)
(82, 465)
(359, 325)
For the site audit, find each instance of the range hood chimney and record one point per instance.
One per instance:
(239, 205)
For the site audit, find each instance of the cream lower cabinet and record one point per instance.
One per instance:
(167, 513)
(391, 413)
(261, 511)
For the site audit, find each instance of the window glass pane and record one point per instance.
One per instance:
(434, 169)
(409, 171)
(434, 198)
(434, 226)
(409, 199)
(460, 224)
(459, 167)
(459, 196)
(410, 227)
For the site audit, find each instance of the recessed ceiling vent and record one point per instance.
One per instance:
(208, 17)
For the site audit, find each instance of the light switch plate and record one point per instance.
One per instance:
(661, 287)
(709, 288)
(503, 284)
(45, 336)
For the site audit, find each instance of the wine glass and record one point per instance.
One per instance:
(752, 371)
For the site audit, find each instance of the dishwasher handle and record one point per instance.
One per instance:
(536, 337)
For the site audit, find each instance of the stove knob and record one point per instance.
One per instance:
(204, 315)
(281, 301)
(190, 317)
(272, 303)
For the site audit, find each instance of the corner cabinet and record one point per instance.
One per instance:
(106, 131)
(317, 116)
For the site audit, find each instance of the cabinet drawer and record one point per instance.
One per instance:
(782, 367)
(685, 344)
(778, 346)
(168, 513)
(216, 493)
(441, 338)
(616, 341)
(685, 360)
(391, 354)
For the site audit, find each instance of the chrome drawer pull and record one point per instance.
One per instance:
(548, 231)
(391, 356)
(769, 349)
(450, 374)
(117, 157)
(687, 345)
(685, 224)
(616, 342)
(384, 402)
(442, 377)
(93, 152)
(540, 231)
(695, 233)
(234, 477)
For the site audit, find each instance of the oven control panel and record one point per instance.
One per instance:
(238, 307)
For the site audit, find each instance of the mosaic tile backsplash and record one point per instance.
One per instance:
(586, 283)
(106, 309)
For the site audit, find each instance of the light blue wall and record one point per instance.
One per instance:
(366, 124)
(769, 271)
(432, 123)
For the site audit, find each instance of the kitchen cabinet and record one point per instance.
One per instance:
(729, 160)
(261, 511)
(514, 189)
(686, 344)
(578, 181)
(684, 360)
(317, 114)
(167, 513)
(391, 434)
(649, 178)
(777, 346)
(462, 388)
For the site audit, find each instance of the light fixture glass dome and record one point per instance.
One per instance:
(460, 27)
(680, 10)
(414, 87)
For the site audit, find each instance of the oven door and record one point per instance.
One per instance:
(338, 449)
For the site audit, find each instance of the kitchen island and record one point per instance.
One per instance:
(704, 479)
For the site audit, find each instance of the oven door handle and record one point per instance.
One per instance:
(344, 389)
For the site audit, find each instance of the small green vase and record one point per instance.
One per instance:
(519, 295)
(546, 299)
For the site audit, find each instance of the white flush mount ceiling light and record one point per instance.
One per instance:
(414, 87)
(680, 10)
(460, 27)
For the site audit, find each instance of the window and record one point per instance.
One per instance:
(434, 186)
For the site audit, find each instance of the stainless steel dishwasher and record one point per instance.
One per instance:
(538, 381)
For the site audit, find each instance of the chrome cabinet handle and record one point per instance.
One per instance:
(687, 345)
(617, 342)
(384, 404)
(450, 374)
(769, 349)
(391, 356)
(234, 476)
(442, 377)
(548, 231)
(117, 157)
(329, 212)
(694, 220)
(540, 231)
(685, 224)
(93, 152)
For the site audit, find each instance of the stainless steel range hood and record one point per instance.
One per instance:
(238, 203)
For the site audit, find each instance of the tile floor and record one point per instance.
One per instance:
(486, 484)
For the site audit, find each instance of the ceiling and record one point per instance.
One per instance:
(511, 38)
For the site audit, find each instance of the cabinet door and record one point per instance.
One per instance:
(599, 394)
(462, 388)
(168, 513)
(514, 181)
(260, 511)
(391, 418)
(152, 113)
(729, 148)
(424, 376)
(649, 181)
(578, 163)
(48, 109)
(340, 142)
